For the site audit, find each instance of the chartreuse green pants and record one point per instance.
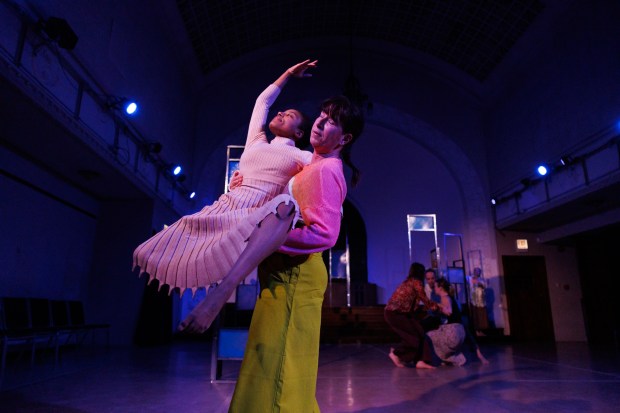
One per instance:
(279, 368)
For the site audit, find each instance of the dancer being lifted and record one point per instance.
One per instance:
(200, 249)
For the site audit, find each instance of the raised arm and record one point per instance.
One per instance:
(256, 130)
(264, 101)
(298, 70)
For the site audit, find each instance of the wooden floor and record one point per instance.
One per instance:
(563, 377)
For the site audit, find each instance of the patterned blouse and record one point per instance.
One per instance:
(407, 297)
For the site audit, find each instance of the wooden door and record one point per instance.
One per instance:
(527, 293)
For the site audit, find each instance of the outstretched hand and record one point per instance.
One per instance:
(299, 70)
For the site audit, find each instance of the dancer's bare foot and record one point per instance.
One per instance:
(423, 365)
(481, 357)
(395, 359)
(197, 322)
(203, 315)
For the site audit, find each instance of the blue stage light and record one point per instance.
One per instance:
(177, 170)
(542, 170)
(131, 107)
(192, 195)
(493, 201)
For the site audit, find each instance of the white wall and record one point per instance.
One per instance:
(114, 291)
(58, 242)
(400, 178)
(48, 230)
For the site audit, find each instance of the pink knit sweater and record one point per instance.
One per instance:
(320, 190)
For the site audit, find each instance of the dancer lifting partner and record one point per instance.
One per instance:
(280, 363)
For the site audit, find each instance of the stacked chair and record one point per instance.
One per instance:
(31, 324)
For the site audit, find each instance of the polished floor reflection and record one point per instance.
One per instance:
(566, 377)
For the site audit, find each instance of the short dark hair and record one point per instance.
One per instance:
(416, 271)
(346, 114)
(350, 118)
(443, 283)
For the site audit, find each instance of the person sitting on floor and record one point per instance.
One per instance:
(449, 337)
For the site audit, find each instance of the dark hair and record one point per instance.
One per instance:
(416, 271)
(350, 118)
(445, 285)
(305, 125)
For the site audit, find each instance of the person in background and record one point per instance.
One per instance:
(429, 284)
(429, 319)
(399, 313)
(479, 317)
(448, 339)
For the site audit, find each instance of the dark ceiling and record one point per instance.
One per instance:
(473, 35)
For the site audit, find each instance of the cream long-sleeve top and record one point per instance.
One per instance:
(199, 249)
(273, 162)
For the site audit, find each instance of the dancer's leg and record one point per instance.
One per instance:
(481, 357)
(264, 241)
(415, 347)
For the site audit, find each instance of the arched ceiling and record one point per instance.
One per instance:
(472, 35)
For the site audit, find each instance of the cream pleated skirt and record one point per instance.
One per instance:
(199, 249)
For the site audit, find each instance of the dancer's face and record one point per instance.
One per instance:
(286, 124)
(327, 136)
(430, 278)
